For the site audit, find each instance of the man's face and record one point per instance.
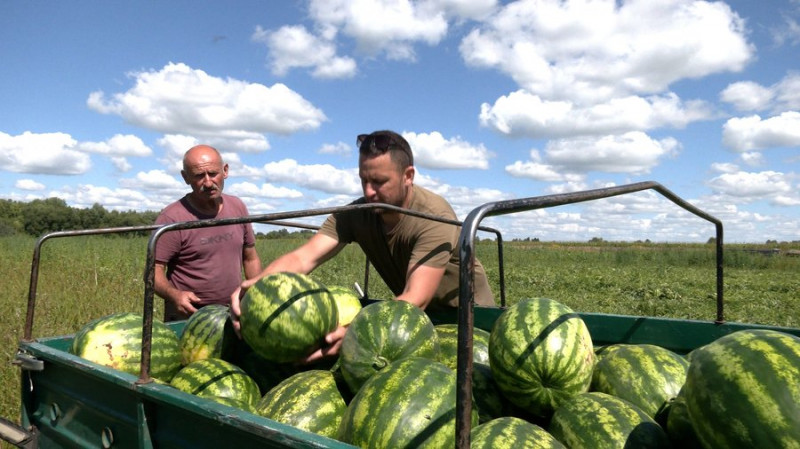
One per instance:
(383, 182)
(206, 176)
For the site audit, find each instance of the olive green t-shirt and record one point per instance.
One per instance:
(413, 241)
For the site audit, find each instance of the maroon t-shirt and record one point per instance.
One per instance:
(206, 261)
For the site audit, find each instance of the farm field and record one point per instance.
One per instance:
(82, 278)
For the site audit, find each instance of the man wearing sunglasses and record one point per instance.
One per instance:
(416, 257)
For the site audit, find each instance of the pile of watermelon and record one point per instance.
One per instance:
(538, 380)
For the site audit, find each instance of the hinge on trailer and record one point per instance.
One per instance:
(28, 362)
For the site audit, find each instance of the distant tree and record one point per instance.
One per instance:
(52, 214)
(711, 241)
(596, 240)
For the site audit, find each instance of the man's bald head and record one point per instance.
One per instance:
(199, 154)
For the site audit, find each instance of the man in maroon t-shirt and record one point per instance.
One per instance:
(198, 267)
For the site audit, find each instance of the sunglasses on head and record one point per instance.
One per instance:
(381, 142)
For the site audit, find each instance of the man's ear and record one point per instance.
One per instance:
(185, 179)
(225, 171)
(408, 175)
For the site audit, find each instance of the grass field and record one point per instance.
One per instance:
(82, 278)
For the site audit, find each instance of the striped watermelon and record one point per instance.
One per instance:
(347, 303)
(678, 425)
(116, 341)
(309, 400)
(448, 344)
(285, 315)
(598, 420)
(743, 390)
(646, 375)
(208, 333)
(381, 333)
(490, 401)
(541, 354)
(409, 404)
(510, 432)
(217, 378)
(231, 402)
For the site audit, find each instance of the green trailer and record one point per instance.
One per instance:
(70, 402)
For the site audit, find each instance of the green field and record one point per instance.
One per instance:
(86, 277)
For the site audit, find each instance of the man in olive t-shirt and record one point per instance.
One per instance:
(418, 261)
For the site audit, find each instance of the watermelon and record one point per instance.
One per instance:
(347, 303)
(743, 390)
(214, 378)
(231, 402)
(284, 316)
(510, 432)
(266, 373)
(115, 341)
(448, 344)
(309, 400)
(598, 420)
(381, 333)
(491, 403)
(409, 404)
(540, 354)
(678, 425)
(208, 333)
(646, 375)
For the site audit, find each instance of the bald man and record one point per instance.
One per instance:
(198, 267)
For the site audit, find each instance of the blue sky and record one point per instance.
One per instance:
(499, 100)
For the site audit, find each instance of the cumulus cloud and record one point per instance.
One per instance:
(432, 150)
(570, 159)
(752, 186)
(522, 114)
(742, 134)
(250, 190)
(750, 96)
(121, 199)
(594, 51)
(385, 27)
(29, 184)
(338, 148)
(323, 177)
(295, 47)
(118, 145)
(181, 100)
(46, 153)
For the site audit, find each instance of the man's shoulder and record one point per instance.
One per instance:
(430, 202)
(172, 212)
(234, 203)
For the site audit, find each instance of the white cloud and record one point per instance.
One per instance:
(749, 186)
(121, 164)
(432, 150)
(29, 184)
(724, 167)
(323, 177)
(180, 100)
(388, 27)
(155, 180)
(338, 148)
(295, 47)
(744, 134)
(522, 114)
(118, 145)
(593, 51)
(46, 153)
(750, 96)
(570, 159)
(250, 190)
(86, 195)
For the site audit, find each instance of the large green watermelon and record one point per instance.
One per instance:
(213, 378)
(646, 375)
(309, 400)
(410, 404)
(541, 354)
(743, 390)
(381, 333)
(116, 341)
(347, 303)
(597, 420)
(490, 401)
(678, 425)
(208, 333)
(512, 433)
(285, 315)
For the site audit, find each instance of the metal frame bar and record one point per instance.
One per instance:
(466, 282)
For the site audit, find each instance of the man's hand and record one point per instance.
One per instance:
(333, 342)
(185, 302)
(236, 310)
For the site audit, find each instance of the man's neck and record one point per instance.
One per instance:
(210, 208)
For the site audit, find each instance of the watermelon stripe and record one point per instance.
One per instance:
(537, 341)
(285, 306)
(214, 379)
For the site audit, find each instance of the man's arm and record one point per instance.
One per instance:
(184, 301)
(251, 262)
(421, 284)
